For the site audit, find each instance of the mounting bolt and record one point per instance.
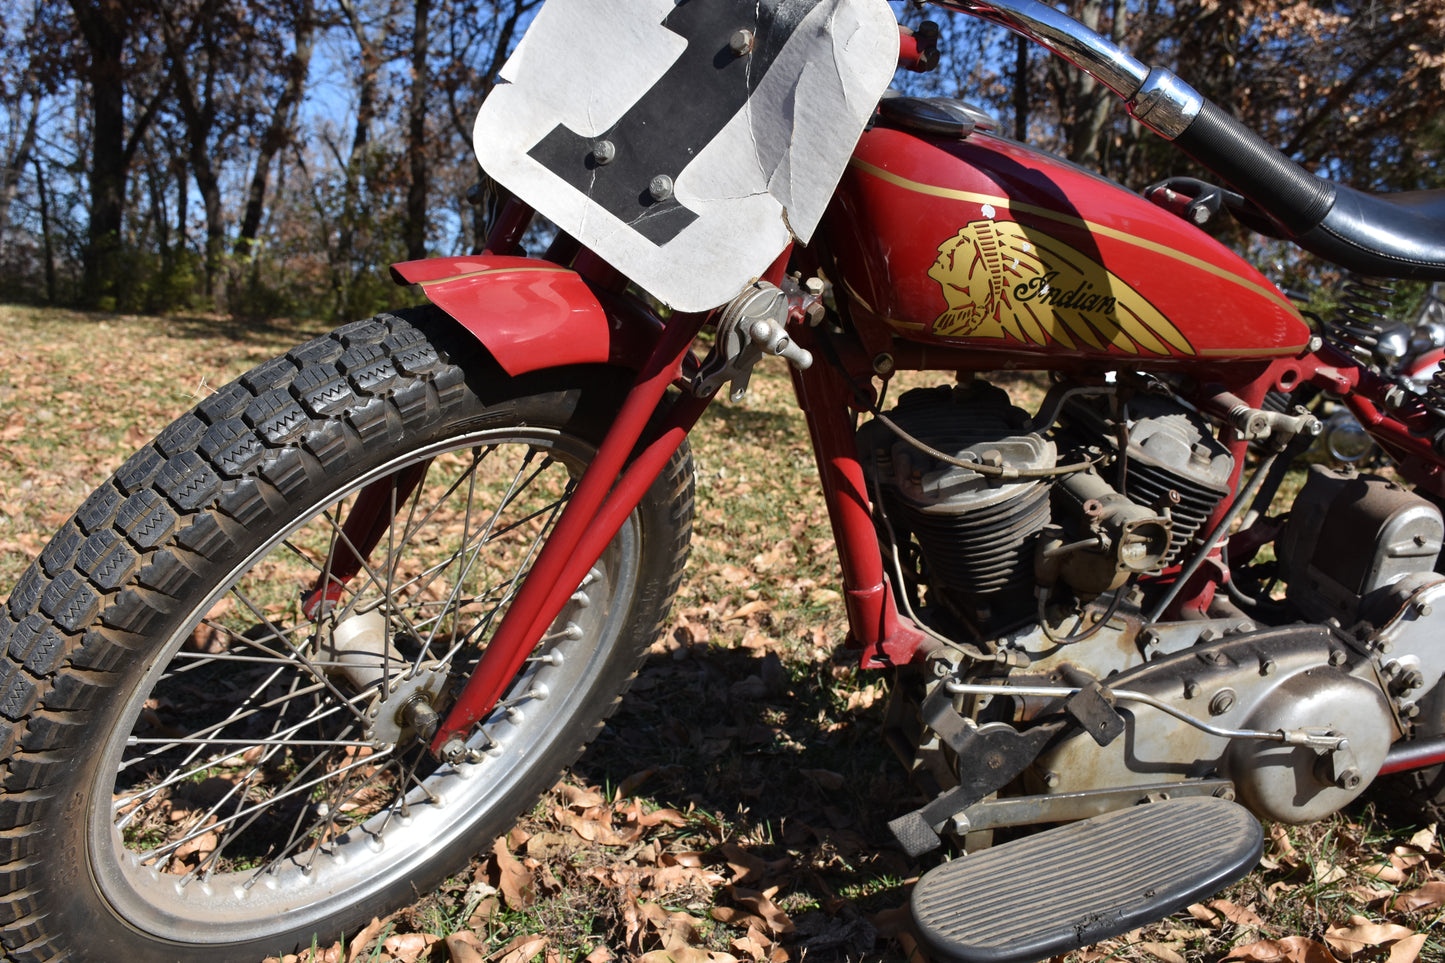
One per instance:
(1349, 779)
(604, 152)
(660, 187)
(742, 42)
(1266, 666)
(1222, 702)
(883, 364)
(1051, 779)
(454, 750)
(1338, 656)
(1191, 689)
(1225, 792)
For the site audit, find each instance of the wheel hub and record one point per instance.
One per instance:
(399, 715)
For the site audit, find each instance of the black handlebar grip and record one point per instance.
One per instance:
(1291, 195)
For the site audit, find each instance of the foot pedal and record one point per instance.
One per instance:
(1068, 887)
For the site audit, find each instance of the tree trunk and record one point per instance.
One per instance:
(356, 163)
(416, 195)
(47, 249)
(279, 130)
(199, 113)
(104, 26)
(15, 165)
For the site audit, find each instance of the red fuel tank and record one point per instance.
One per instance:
(985, 243)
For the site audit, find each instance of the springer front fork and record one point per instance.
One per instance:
(770, 318)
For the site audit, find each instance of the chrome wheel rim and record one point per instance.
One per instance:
(249, 791)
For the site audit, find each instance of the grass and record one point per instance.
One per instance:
(735, 807)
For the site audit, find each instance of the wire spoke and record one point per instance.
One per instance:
(286, 792)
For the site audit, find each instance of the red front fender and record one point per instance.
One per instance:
(530, 314)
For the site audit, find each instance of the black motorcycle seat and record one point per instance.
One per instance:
(1386, 235)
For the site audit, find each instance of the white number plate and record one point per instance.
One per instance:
(687, 141)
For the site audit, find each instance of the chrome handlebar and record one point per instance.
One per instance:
(1155, 97)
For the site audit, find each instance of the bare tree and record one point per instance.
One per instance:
(110, 29)
(415, 225)
(287, 85)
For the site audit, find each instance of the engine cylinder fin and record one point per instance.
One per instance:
(988, 551)
(1151, 485)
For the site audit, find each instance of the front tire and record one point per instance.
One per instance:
(210, 755)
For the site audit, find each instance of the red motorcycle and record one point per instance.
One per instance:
(332, 630)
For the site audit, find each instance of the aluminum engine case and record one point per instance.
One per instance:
(1349, 534)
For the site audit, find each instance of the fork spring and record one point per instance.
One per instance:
(1357, 324)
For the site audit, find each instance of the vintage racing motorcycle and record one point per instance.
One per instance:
(332, 630)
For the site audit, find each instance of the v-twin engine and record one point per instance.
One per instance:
(1000, 518)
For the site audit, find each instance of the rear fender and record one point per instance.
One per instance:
(531, 314)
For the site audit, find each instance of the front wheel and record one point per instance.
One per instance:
(214, 670)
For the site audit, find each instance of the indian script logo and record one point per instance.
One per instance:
(1003, 282)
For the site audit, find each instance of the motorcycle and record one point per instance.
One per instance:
(333, 629)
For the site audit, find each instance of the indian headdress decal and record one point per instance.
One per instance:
(1003, 282)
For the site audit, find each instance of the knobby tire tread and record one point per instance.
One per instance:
(82, 609)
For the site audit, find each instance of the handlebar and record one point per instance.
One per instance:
(1399, 236)
(918, 49)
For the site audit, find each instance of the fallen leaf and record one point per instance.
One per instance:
(1427, 897)
(466, 947)
(408, 947)
(629, 785)
(686, 954)
(751, 608)
(202, 846)
(547, 845)
(748, 867)
(755, 945)
(762, 906)
(1203, 914)
(362, 940)
(578, 798)
(1283, 849)
(1238, 915)
(1407, 950)
(1161, 951)
(516, 882)
(521, 950)
(1291, 949)
(597, 831)
(1362, 933)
